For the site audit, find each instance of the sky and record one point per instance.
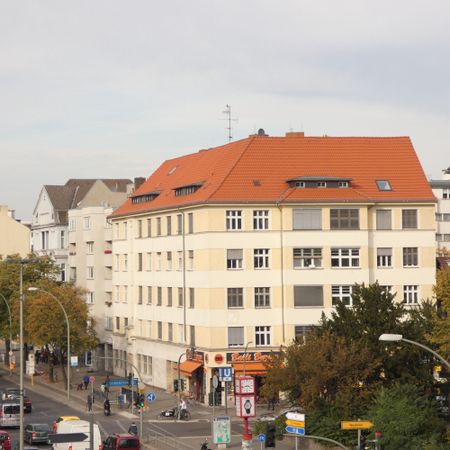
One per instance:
(111, 89)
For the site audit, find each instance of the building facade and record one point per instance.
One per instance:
(14, 236)
(237, 250)
(441, 189)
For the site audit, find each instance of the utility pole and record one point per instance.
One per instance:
(91, 417)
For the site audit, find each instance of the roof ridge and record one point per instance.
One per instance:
(250, 140)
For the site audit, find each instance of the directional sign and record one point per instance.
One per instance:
(122, 382)
(225, 373)
(151, 397)
(295, 423)
(261, 437)
(62, 438)
(294, 430)
(295, 416)
(356, 425)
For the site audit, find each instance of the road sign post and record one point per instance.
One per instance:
(64, 438)
(261, 439)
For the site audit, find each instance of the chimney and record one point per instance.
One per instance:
(138, 182)
(296, 134)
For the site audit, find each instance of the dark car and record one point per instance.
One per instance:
(37, 433)
(5, 440)
(121, 441)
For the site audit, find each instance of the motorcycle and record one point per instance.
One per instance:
(173, 413)
(107, 408)
(204, 445)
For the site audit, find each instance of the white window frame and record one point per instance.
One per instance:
(263, 336)
(90, 272)
(235, 298)
(261, 219)
(90, 298)
(261, 258)
(342, 293)
(234, 263)
(307, 257)
(411, 294)
(234, 220)
(90, 247)
(446, 193)
(262, 297)
(86, 223)
(384, 260)
(343, 254)
(410, 256)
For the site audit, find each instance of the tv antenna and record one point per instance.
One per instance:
(230, 119)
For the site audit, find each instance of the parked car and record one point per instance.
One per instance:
(10, 413)
(121, 441)
(62, 419)
(27, 403)
(37, 433)
(5, 440)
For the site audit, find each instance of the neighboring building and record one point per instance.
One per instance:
(14, 236)
(441, 189)
(239, 249)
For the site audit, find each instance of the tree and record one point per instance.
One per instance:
(407, 418)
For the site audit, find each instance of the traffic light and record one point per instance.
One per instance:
(175, 385)
(183, 385)
(140, 401)
(130, 376)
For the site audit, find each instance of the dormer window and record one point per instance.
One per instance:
(186, 190)
(383, 185)
(300, 184)
(314, 182)
(321, 184)
(343, 184)
(144, 198)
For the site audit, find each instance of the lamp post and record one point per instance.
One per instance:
(34, 289)
(10, 329)
(398, 337)
(245, 353)
(192, 351)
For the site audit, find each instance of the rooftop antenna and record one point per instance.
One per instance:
(229, 118)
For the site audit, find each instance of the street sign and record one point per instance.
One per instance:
(151, 397)
(122, 382)
(74, 361)
(295, 430)
(295, 416)
(221, 430)
(225, 373)
(63, 438)
(261, 437)
(295, 423)
(356, 425)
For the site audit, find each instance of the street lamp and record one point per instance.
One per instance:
(245, 352)
(398, 337)
(34, 289)
(10, 330)
(192, 351)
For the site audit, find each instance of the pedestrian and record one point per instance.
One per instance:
(106, 383)
(89, 402)
(86, 381)
(133, 429)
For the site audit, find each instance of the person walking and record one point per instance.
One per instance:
(133, 429)
(89, 402)
(86, 381)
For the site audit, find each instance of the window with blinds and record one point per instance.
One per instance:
(235, 336)
(384, 219)
(308, 296)
(307, 219)
(409, 219)
(234, 258)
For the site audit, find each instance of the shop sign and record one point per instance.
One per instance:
(196, 356)
(249, 357)
(218, 358)
(246, 405)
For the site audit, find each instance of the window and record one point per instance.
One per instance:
(446, 193)
(186, 190)
(383, 185)
(169, 296)
(345, 257)
(89, 247)
(386, 289)
(235, 298)
(192, 334)
(180, 260)
(344, 219)
(125, 294)
(169, 260)
(180, 333)
(62, 239)
(170, 332)
(307, 258)
(149, 328)
(191, 259)
(169, 225)
(321, 184)
(234, 258)
(308, 296)
(384, 257)
(87, 223)
(149, 295)
(159, 298)
(179, 223)
(118, 323)
(180, 297)
(125, 230)
(342, 184)
(158, 260)
(235, 336)
(261, 258)
(234, 220)
(125, 262)
(139, 265)
(341, 293)
(442, 237)
(73, 225)
(149, 261)
(90, 272)
(410, 257)
(384, 219)
(443, 217)
(261, 219)
(108, 323)
(140, 295)
(159, 330)
(191, 298)
(149, 227)
(139, 228)
(158, 226)
(190, 223)
(307, 219)
(91, 297)
(262, 336)
(262, 297)
(409, 219)
(411, 294)
(301, 332)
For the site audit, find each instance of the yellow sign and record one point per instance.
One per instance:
(356, 425)
(295, 423)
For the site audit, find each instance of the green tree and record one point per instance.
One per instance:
(407, 419)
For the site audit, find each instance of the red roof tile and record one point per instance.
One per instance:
(228, 173)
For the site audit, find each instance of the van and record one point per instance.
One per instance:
(10, 413)
(78, 426)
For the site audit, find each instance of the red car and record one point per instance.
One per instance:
(5, 440)
(121, 442)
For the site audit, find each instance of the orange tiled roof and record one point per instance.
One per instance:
(227, 174)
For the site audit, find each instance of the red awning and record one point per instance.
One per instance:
(251, 368)
(188, 367)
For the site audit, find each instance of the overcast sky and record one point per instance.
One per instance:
(108, 88)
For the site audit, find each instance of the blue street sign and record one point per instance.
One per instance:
(295, 430)
(122, 382)
(151, 397)
(226, 373)
(261, 437)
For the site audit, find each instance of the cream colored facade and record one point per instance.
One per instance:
(441, 189)
(154, 262)
(14, 236)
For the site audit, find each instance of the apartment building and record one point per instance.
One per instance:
(441, 189)
(14, 236)
(238, 249)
